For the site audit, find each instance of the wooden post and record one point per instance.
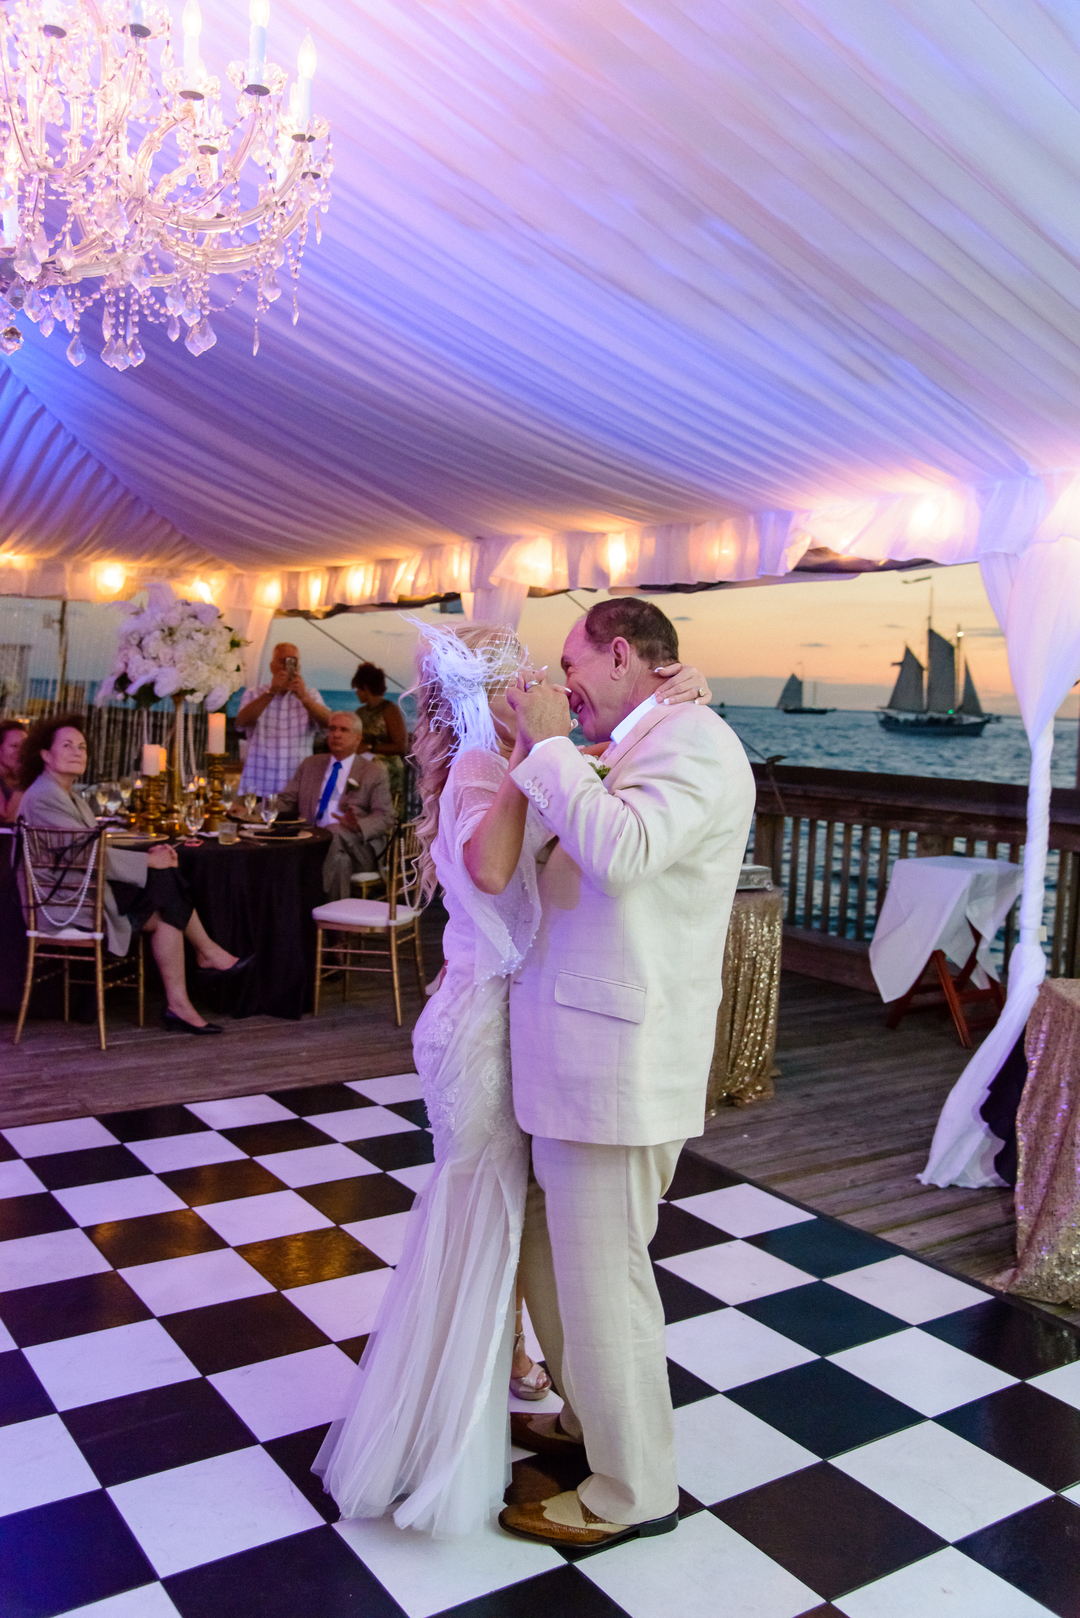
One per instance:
(769, 843)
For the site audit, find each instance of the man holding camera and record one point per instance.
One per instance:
(280, 720)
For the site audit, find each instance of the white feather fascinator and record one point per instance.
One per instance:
(464, 677)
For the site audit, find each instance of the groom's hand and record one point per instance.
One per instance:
(542, 710)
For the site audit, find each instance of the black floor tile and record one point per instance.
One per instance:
(1037, 1551)
(686, 1388)
(311, 1575)
(153, 1123)
(562, 1593)
(294, 1454)
(370, 1196)
(22, 1397)
(1006, 1335)
(354, 1347)
(694, 1175)
(823, 1246)
(285, 1135)
(829, 1531)
(396, 1151)
(154, 1237)
(224, 1335)
(679, 1232)
(92, 1166)
(681, 1299)
(8, 1154)
(221, 1182)
(312, 1255)
(155, 1430)
(824, 1408)
(319, 1098)
(1025, 1428)
(70, 1308)
(33, 1215)
(821, 1317)
(66, 1555)
(415, 1112)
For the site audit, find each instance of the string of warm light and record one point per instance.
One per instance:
(133, 189)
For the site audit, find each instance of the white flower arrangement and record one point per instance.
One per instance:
(172, 648)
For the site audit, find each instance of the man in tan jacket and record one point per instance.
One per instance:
(347, 795)
(612, 1021)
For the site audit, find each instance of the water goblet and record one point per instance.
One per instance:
(194, 814)
(127, 786)
(228, 791)
(250, 800)
(269, 810)
(113, 799)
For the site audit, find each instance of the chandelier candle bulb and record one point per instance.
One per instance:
(192, 22)
(215, 733)
(151, 759)
(259, 12)
(306, 63)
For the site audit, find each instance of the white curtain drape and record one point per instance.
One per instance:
(1036, 599)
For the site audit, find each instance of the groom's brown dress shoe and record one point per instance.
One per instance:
(565, 1520)
(542, 1434)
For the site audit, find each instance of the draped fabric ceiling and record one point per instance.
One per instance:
(643, 291)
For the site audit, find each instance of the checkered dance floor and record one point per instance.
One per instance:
(184, 1291)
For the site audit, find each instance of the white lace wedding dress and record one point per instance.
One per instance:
(427, 1424)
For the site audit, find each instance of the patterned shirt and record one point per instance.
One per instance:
(277, 742)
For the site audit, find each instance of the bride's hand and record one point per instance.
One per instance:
(685, 684)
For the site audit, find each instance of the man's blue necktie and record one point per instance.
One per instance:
(328, 790)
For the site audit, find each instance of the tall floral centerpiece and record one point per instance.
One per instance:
(178, 649)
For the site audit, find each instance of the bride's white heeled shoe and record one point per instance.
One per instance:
(535, 1384)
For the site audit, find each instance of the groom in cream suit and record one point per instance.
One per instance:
(612, 1021)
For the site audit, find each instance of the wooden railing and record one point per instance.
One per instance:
(832, 837)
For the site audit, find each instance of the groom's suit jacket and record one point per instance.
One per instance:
(613, 1014)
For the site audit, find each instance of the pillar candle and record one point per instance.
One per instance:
(215, 733)
(151, 759)
(163, 759)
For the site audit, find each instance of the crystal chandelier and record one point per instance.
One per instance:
(132, 189)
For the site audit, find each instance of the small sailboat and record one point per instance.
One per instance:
(791, 698)
(938, 711)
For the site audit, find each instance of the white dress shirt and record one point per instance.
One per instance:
(623, 728)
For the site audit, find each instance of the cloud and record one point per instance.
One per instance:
(892, 626)
(990, 632)
(821, 643)
(685, 619)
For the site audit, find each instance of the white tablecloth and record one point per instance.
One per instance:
(928, 906)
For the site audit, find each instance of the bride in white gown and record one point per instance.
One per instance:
(427, 1423)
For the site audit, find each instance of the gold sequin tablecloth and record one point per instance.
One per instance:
(1048, 1147)
(744, 1057)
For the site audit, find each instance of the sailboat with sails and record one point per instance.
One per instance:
(791, 698)
(938, 711)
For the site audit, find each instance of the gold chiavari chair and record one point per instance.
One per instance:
(63, 894)
(362, 923)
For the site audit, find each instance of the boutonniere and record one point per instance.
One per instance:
(601, 769)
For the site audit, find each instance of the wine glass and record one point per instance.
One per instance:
(126, 786)
(269, 810)
(250, 800)
(113, 799)
(228, 791)
(101, 794)
(194, 814)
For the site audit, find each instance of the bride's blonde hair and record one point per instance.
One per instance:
(458, 667)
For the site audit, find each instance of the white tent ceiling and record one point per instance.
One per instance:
(594, 280)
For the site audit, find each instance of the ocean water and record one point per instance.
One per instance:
(855, 741)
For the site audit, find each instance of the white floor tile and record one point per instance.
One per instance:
(149, 1601)
(345, 1307)
(1064, 1383)
(921, 1371)
(361, 1123)
(415, 1178)
(263, 1218)
(118, 1199)
(290, 1394)
(383, 1237)
(40, 1462)
(701, 1570)
(941, 1480)
(910, 1290)
(427, 1575)
(743, 1210)
(107, 1364)
(185, 1151)
(735, 1272)
(199, 1513)
(236, 1111)
(722, 1450)
(945, 1585)
(17, 1179)
(195, 1281)
(59, 1255)
(314, 1165)
(727, 1349)
(69, 1135)
(395, 1087)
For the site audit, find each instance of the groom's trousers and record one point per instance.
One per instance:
(590, 1216)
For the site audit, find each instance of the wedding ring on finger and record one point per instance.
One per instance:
(702, 690)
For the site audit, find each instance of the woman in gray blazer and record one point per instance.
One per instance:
(142, 892)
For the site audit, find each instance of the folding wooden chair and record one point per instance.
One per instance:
(949, 991)
(395, 919)
(63, 886)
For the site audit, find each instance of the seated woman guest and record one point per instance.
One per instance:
(142, 892)
(12, 732)
(385, 732)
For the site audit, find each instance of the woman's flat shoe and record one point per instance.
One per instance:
(180, 1025)
(226, 971)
